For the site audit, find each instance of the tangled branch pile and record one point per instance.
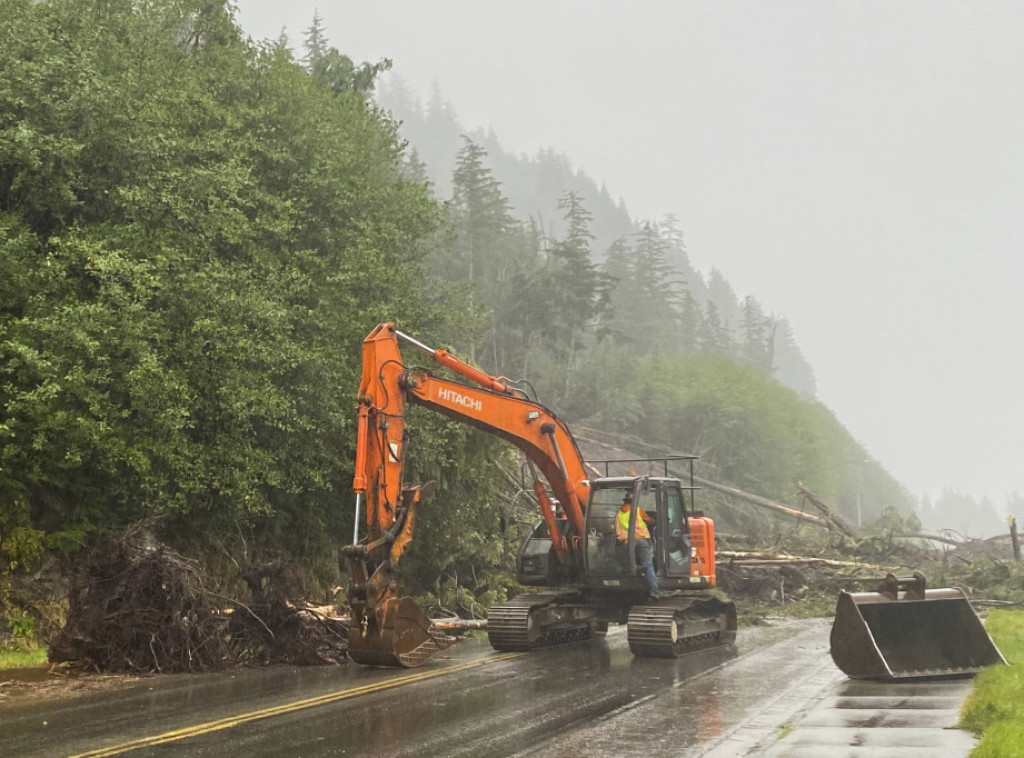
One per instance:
(138, 606)
(273, 629)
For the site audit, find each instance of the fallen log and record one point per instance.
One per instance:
(605, 448)
(777, 559)
(456, 624)
(934, 538)
(762, 502)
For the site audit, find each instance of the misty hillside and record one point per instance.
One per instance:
(533, 187)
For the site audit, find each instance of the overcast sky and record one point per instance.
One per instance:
(857, 167)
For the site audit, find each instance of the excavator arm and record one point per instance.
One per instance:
(388, 629)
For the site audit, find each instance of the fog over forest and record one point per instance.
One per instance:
(855, 168)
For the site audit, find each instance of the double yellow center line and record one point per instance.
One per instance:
(298, 705)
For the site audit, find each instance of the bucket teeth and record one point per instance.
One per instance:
(407, 638)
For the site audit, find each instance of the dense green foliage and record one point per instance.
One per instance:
(194, 235)
(995, 709)
(196, 232)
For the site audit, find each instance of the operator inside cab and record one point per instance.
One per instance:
(641, 541)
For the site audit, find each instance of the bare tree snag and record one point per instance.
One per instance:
(826, 512)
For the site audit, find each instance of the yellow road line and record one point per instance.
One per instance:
(298, 705)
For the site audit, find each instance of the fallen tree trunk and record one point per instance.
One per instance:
(599, 448)
(777, 559)
(455, 624)
(762, 502)
(933, 538)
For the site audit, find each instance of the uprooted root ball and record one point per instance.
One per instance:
(136, 605)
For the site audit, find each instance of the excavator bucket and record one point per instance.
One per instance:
(399, 634)
(906, 631)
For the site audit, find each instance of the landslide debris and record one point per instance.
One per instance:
(137, 606)
(802, 573)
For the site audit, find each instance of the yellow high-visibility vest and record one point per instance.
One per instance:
(641, 525)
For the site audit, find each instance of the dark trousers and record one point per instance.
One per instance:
(645, 561)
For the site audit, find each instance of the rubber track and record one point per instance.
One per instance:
(508, 626)
(668, 632)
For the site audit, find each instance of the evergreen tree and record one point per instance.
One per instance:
(646, 295)
(658, 282)
(315, 44)
(482, 218)
(576, 278)
(720, 292)
(792, 369)
(713, 336)
(691, 322)
(497, 256)
(757, 337)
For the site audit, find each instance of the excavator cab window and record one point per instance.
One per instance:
(676, 536)
(604, 554)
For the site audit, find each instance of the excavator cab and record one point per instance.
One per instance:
(904, 631)
(678, 535)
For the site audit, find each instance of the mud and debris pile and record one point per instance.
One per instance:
(137, 606)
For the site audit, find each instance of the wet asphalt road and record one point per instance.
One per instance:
(593, 699)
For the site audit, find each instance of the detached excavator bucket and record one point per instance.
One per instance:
(404, 636)
(905, 631)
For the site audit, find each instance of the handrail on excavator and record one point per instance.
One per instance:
(662, 459)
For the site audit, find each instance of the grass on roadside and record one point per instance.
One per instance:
(21, 658)
(994, 711)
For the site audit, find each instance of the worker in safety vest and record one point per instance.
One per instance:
(641, 540)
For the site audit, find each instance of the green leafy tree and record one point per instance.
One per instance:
(195, 235)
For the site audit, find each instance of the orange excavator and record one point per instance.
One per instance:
(588, 576)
